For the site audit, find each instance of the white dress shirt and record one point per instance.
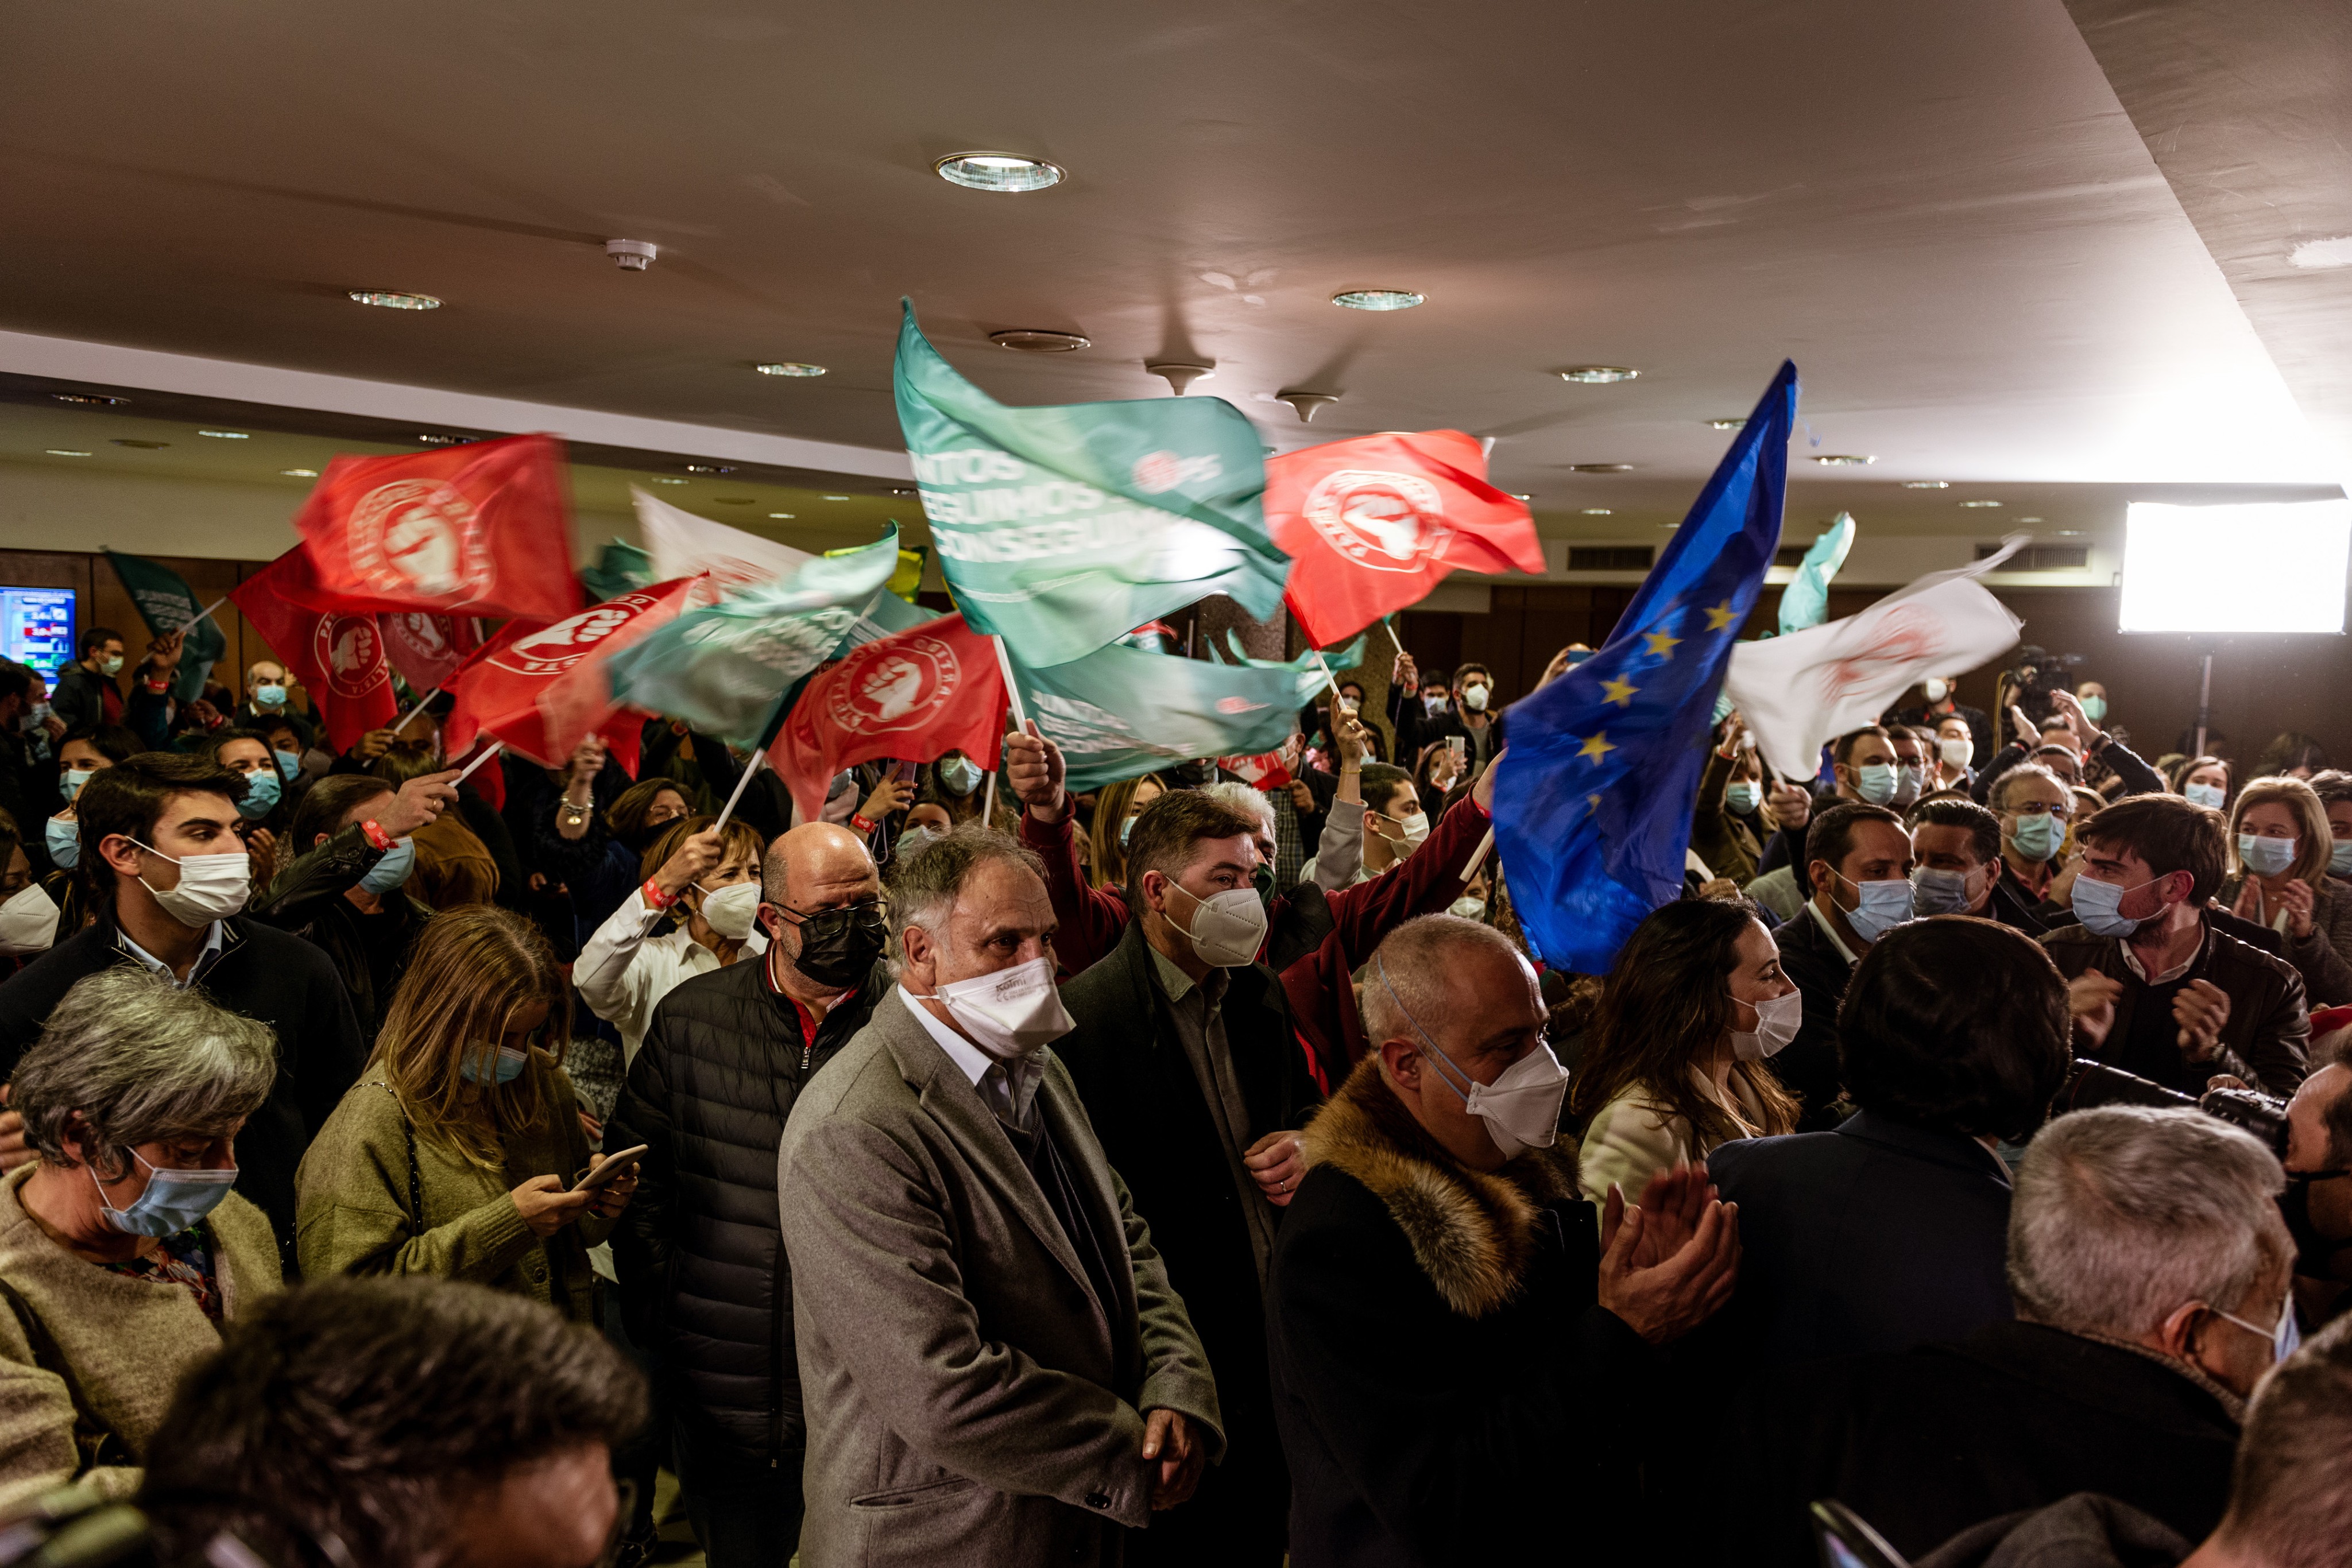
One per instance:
(1008, 1088)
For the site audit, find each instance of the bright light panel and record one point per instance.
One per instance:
(2268, 566)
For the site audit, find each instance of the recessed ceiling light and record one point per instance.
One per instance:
(2028, 520)
(998, 171)
(1596, 512)
(2069, 533)
(1038, 340)
(1596, 376)
(67, 452)
(662, 479)
(1926, 483)
(1378, 298)
(781, 517)
(90, 399)
(1725, 424)
(836, 498)
(300, 472)
(1843, 460)
(430, 439)
(1601, 467)
(1980, 503)
(141, 445)
(708, 468)
(226, 434)
(904, 490)
(1522, 496)
(790, 368)
(393, 300)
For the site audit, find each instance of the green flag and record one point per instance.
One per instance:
(622, 568)
(1805, 602)
(721, 668)
(1120, 711)
(166, 603)
(1061, 529)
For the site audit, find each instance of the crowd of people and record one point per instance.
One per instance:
(404, 1167)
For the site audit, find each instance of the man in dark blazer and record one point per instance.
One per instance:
(1848, 845)
(1185, 1057)
(1893, 1229)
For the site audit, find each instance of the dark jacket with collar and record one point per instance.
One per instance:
(703, 1272)
(266, 974)
(2266, 1040)
(1808, 1065)
(1876, 1237)
(1157, 1131)
(1928, 1442)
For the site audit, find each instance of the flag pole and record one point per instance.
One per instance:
(768, 732)
(1478, 856)
(496, 746)
(203, 614)
(988, 802)
(412, 712)
(750, 768)
(1011, 686)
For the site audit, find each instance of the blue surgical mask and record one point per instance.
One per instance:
(2209, 796)
(510, 1063)
(2037, 838)
(1885, 905)
(290, 763)
(2339, 859)
(1935, 892)
(2285, 1338)
(74, 778)
(1875, 782)
(2094, 707)
(64, 840)
(2099, 906)
(960, 774)
(269, 695)
(261, 788)
(2266, 857)
(1433, 701)
(392, 870)
(1126, 826)
(1743, 796)
(174, 1199)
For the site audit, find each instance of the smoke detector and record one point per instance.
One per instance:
(1307, 404)
(632, 255)
(1180, 375)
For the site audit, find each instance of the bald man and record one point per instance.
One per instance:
(704, 1279)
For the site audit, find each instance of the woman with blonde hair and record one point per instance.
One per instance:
(1673, 1064)
(457, 1152)
(2279, 849)
(1114, 807)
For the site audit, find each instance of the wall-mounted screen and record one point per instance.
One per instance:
(37, 628)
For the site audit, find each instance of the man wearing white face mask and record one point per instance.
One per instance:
(160, 829)
(1445, 1315)
(1939, 704)
(1858, 860)
(710, 878)
(1184, 1052)
(986, 1330)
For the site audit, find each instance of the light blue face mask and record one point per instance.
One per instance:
(1883, 906)
(290, 763)
(510, 1063)
(2209, 796)
(269, 695)
(74, 778)
(960, 774)
(2099, 905)
(1875, 782)
(2094, 707)
(64, 840)
(1126, 826)
(2339, 859)
(261, 788)
(1743, 797)
(391, 870)
(2266, 857)
(1936, 892)
(2037, 838)
(174, 1199)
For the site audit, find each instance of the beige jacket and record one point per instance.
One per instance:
(1629, 1140)
(89, 1358)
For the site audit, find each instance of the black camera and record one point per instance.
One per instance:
(2090, 1083)
(2035, 676)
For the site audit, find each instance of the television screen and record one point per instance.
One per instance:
(37, 628)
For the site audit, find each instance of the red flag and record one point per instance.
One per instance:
(478, 529)
(1266, 770)
(338, 656)
(914, 696)
(1375, 523)
(542, 689)
(425, 648)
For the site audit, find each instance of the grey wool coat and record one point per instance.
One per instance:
(970, 1400)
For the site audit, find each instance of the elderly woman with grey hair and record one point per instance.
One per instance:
(122, 1248)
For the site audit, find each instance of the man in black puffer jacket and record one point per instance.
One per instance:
(704, 1278)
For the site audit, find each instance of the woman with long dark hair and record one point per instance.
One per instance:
(1673, 1065)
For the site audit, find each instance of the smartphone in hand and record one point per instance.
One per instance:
(614, 1166)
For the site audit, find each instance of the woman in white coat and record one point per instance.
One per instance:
(702, 895)
(1674, 1063)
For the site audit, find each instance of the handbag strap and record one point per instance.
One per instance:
(415, 1179)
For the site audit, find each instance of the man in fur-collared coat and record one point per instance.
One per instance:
(1443, 1323)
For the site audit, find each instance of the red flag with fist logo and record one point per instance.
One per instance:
(478, 529)
(542, 689)
(339, 656)
(914, 696)
(1375, 523)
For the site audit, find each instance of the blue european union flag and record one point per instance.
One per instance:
(1592, 809)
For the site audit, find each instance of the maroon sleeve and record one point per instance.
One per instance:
(1429, 880)
(1092, 919)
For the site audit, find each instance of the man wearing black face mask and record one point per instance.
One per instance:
(704, 1278)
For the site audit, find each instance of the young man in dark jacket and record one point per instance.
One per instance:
(703, 1278)
(158, 835)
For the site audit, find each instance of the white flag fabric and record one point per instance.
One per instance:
(1800, 692)
(684, 545)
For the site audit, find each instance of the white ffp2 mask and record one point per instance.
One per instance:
(731, 910)
(1228, 928)
(28, 922)
(1009, 1013)
(1520, 1108)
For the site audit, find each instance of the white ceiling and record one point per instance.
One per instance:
(1942, 212)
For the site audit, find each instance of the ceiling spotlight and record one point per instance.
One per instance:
(1926, 483)
(2070, 533)
(1595, 512)
(998, 171)
(2028, 520)
(393, 300)
(67, 452)
(1037, 341)
(1378, 298)
(904, 490)
(1519, 496)
(1306, 404)
(141, 445)
(92, 400)
(1843, 460)
(790, 368)
(632, 255)
(663, 479)
(430, 439)
(781, 517)
(1180, 375)
(226, 434)
(1597, 375)
(1725, 424)
(706, 468)
(1980, 503)
(836, 497)
(1601, 467)
(300, 472)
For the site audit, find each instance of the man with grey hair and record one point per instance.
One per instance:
(704, 1278)
(122, 1248)
(2150, 1270)
(997, 1369)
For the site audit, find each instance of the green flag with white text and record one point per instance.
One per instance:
(1061, 529)
(166, 603)
(1122, 712)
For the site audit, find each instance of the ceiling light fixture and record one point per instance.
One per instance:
(663, 479)
(1378, 298)
(1306, 404)
(226, 434)
(790, 368)
(1521, 496)
(1004, 171)
(1725, 424)
(392, 300)
(1596, 512)
(1598, 375)
(1601, 467)
(141, 445)
(300, 472)
(1845, 460)
(1980, 503)
(1039, 340)
(2028, 520)
(1180, 374)
(2070, 533)
(836, 498)
(431, 440)
(783, 517)
(708, 468)
(92, 399)
(1926, 483)
(67, 452)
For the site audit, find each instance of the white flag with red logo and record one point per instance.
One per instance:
(338, 656)
(1266, 770)
(912, 697)
(542, 689)
(682, 545)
